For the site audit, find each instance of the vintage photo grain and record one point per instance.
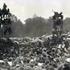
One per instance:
(34, 34)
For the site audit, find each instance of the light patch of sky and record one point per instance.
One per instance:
(27, 8)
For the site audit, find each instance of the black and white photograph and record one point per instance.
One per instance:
(34, 34)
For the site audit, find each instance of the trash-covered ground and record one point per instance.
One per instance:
(36, 54)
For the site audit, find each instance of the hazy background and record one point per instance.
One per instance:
(33, 17)
(27, 8)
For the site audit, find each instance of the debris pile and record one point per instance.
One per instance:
(38, 55)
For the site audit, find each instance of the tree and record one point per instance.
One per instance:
(36, 26)
(5, 20)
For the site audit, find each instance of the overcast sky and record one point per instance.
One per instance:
(27, 8)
